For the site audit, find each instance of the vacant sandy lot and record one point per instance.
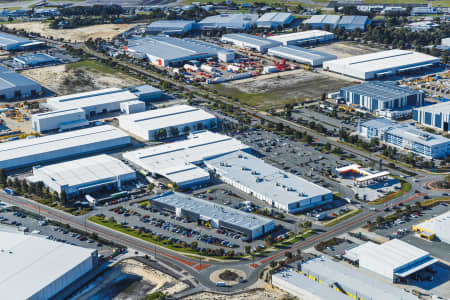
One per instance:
(346, 49)
(105, 31)
(62, 81)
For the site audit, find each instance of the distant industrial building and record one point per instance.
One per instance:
(422, 26)
(169, 51)
(349, 281)
(406, 137)
(215, 215)
(308, 37)
(393, 10)
(28, 152)
(302, 287)
(435, 116)
(301, 55)
(132, 107)
(14, 42)
(279, 189)
(247, 41)
(146, 92)
(445, 43)
(229, 21)
(351, 23)
(94, 102)
(274, 19)
(425, 11)
(179, 161)
(323, 21)
(379, 95)
(85, 175)
(395, 260)
(14, 86)
(170, 26)
(174, 121)
(33, 60)
(62, 120)
(36, 268)
(381, 64)
(435, 228)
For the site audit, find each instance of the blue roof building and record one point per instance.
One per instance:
(14, 86)
(170, 26)
(12, 42)
(32, 60)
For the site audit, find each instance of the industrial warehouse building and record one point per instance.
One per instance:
(435, 228)
(14, 86)
(395, 260)
(170, 26)
(229, 21)
(168, 51)
(406, 137)
(349, 23)
(36, 268)
(308, 37)
(167, 122)
(378, 95)
(94, 102)
(274, 19)
(14, 42)
(282, 190)
(132, 107)
(216, 215)
(248, 41)
(380, 64)
(146, 92)
(178, 161)
(302, 287)
(27, 152)
(33, 60)
(65, 119)
(84, 175)
(350, 281)
(301, 55)
(435, 116)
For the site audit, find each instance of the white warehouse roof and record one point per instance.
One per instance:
(439, 225)
(26, 152)
(303, 37)
(367, 66)
(144, 123)
(176, 160)
(301, 55)
(90, 100)
(249, 41)
(31, 264)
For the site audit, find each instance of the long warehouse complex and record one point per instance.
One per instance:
(350, 281)
(170, 51)
(14, 86)
(248, 41)
(229, 21)
(27, 152)
(14, 42)
(380, 64)
(94, 102)
(170, 26)
(279, 189)
(216, 215)
(301, 55)
(406, 137)
(274, 19)
(179, 161)
(167, 122)
(395, 260)
(65, 119)
(379, 95)
(436, 116)
(84, 175)
(36, 268)
(348, 23)
(308, 37)
(435, 228)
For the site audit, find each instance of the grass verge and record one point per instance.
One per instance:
(341, 218)
(432, 202)
(93, 66)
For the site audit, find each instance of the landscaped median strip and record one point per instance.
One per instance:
(406, 186)
(342, 217)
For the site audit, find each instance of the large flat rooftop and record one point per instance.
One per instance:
(302, 36)
(381, 90)
(10, 79)
(443, 108)
(250, 40)
(57, 113)
(210, 210)
(252, 172)
(439, 225)
(8, 39)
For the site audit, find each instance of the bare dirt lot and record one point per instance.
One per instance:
(79, 77)
(346, 49)
(281, 88)
(105, 31)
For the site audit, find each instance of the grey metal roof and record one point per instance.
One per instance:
(252, 40)
(169, 24)
(38, 58)
(353, 20)
(230, 20)
(323, 19)
(276, 17)
(411, 133)
(171, 48)
(380, 123)
(381, 90)
(349, 277)
(10, 79)
(443, 107)
(213, 210)
(302, 52)
(9, 39)
(144, 89)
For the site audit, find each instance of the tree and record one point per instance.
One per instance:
(307, 224)
(248, 249)
(3, 176)
(150, 186)
(186, 129)
(380, 220)
(194, 245)
(269, 240)
(175, 186)
(288, 255)
(63, 197)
